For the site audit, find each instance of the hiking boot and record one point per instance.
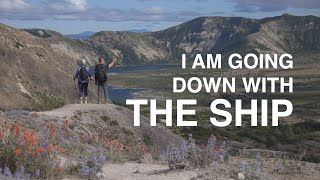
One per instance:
(86, 100)
(81, 100)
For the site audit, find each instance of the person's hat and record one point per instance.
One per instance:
(83, 61)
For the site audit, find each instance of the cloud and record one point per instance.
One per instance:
(81, 10)
(67, 5)
(273, 5)
(78, 4)
(84, 11)
(13, 5)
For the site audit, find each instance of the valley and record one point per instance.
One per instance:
(36, 86)
(294, 134)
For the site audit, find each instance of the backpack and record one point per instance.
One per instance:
(83, 73)
(101, 74)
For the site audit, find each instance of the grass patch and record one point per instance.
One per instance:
(147, 139)
(109, 121)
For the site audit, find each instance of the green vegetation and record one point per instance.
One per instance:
(147, 139)
(109, 121)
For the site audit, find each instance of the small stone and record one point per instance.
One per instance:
(241, 176)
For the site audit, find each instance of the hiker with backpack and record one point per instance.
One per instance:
(83, 75)
(101, 78)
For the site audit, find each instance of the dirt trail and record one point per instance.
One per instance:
(70, 109)
(132, 171)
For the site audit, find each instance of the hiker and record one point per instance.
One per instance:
(101, 78)
(83, 75)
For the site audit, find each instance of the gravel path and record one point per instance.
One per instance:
(70, 109)
(132, 171)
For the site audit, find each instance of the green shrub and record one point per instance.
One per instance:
(147, 139)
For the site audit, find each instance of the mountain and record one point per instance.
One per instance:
(88, 34)
(137, 30)
(226, 35)
(83, 35)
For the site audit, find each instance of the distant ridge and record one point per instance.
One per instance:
(83, 35)
(274, 35)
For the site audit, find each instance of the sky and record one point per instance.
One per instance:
(75, 16)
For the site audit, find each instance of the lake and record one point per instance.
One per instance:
(120, 94)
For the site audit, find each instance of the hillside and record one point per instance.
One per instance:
(82, 135)
(93, 118)
(33, 76)
(137, 48)
(72, 48)
(282, 34)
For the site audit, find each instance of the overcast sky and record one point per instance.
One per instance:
(74, 16)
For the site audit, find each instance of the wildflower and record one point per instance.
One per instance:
(60, 170)
(62, 150)
(85, 159)
(101, 159)
(33, 141)
(50, 148)
(94, 170)
(27, 176)
(18, 151)
(17, 175)
(34, 154)
(18, 131)
(7, 172)
(32, 132)
(244, 166)
(37, 174)
(57, 163)
(22, 169)
(94, 159)
(26, 135)
(85, 170)
(29, 148)
(39, 150)
(260, 163)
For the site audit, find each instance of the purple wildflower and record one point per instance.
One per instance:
(85, 159)
(17, 175)
(85, 170)
(94, 159)
(101, 159)
(27, 177)
(244, 166)
(7, 171)
(37, 173)
(94, 170)
(260, 163)
(22, 169)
